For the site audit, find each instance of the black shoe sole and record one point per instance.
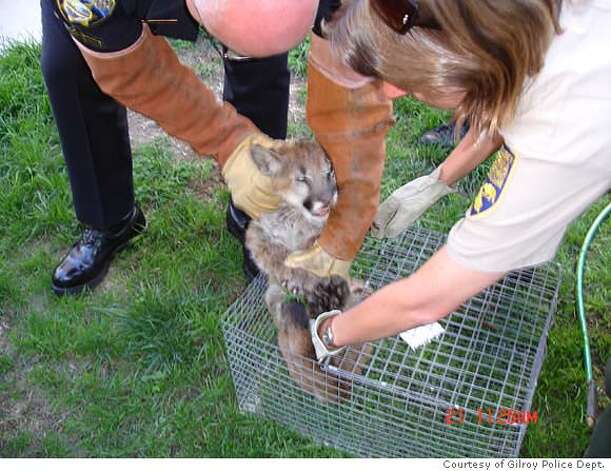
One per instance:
(94, 282)
(249, 267)
(443, 136)
(233, 227)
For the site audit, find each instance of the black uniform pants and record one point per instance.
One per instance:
(93, 126)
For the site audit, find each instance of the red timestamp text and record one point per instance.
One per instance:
(490, 416)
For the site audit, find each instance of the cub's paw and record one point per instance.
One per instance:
(359, 288)
(329, 293)
(300, 282)
(293, 286)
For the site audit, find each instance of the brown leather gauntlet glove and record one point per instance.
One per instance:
(350, 119)
(148, 78)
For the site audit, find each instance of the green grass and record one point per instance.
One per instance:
(298, 59)
(137, 368)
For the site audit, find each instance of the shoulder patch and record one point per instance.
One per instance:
(492, 189)
(86, 12)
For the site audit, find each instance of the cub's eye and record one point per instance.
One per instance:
(302, 179)
(330, 173)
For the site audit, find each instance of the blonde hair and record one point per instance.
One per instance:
(484, 52)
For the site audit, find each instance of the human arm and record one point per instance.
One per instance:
(468, 154)
(508, 227)
(429, 294)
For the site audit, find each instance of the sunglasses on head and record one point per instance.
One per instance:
(402, 15)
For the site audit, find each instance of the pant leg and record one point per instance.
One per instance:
(92, 127)
(259, 90)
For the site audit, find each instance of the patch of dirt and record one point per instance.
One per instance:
(23, 407)
(205, 60)
(205, 189)
(143, 130)
(296, 107)
(29, 414)
(4, 327)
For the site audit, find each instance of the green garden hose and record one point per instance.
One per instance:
(591, 401)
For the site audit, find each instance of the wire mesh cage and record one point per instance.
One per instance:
(468, 393)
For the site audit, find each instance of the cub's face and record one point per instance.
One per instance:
(302, 175)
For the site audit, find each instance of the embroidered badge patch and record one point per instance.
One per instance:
(495, 183)
(86, 12)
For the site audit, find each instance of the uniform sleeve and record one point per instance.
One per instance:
(522, 211)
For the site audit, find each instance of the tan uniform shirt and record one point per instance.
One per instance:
(560, 159)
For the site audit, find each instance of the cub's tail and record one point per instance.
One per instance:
(296, 347)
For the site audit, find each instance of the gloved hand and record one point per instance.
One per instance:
(320, 347)
(251, 190)
(317, 261)
(408, 203)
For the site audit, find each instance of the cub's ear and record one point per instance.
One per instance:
(268, 161)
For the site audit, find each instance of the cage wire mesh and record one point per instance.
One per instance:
(445, 399)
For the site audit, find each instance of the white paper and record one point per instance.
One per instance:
(422, 335)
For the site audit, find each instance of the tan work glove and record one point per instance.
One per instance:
(251, 190)
(408, 203)
(316, 260)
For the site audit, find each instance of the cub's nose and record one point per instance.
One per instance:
(320, 209)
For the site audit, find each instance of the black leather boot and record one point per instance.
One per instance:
(86, 263)
(237, 223)
(443, 135)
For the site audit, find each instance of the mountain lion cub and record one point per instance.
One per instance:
(303, 177)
